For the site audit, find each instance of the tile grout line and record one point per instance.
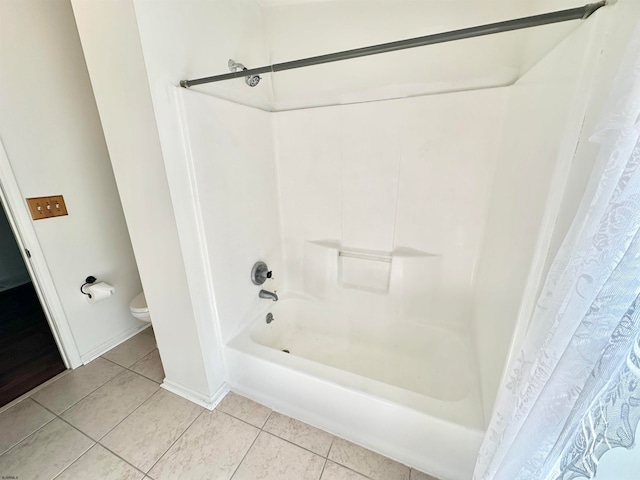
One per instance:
(117, 455)
(331, 446)
(282, 438)
(349, 468)
(135, 363)
(98, 442)
(294, 444)
(110, 430)
(333, 437)
(176, 440)
(260, 430)
(323, 467)
(27, 436)
(236, 418)
(58, 417)
(245, 454)
(78, 401)
(127, 416)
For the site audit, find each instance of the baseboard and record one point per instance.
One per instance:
(208, 402)
(114, 342)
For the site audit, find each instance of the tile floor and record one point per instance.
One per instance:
(111, 420)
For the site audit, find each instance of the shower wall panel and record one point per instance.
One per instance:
(543, 121)
(232, 155)
(411, 175)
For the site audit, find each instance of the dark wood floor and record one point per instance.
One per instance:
(28, 353)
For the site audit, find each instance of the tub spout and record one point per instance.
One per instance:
(267, 294)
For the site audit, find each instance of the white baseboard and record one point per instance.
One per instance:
(114, 342)
(208, 402)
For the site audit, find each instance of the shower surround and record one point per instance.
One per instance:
(407, 236)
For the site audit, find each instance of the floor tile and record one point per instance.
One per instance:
(333, 471)
(149, 331)
(367, 462)
(244, 409)
(271, 458)
(20, 421)
(100, 463)
(103, 409)
(147, 433)
(417, 475)
(76, 385)
(134, 349)
(150, 366)
(211, 448)
(46, 453)
(306, 436)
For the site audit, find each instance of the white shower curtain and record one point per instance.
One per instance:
(574, 392)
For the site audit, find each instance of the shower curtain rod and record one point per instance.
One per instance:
(578, 13)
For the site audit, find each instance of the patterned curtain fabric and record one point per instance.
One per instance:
(574, 392)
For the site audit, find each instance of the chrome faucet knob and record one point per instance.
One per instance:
(260, 272)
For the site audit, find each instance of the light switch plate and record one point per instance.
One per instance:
(57, 206)
(47, 207)
(38, 208)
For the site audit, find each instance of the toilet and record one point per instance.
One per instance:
(139, 309)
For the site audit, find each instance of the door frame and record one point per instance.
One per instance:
(24, 232)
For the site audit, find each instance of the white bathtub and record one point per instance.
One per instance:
(409, 392)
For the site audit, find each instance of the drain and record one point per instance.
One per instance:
(285, 350)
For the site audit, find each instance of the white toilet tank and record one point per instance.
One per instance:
(139, 309)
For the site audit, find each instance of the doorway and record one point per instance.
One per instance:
(29, 353)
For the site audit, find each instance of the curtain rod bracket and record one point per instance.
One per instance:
(590, 8)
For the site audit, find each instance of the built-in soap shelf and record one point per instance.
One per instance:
(368, 270)
(366, 255)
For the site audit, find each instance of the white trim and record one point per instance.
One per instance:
(112, 343)
(22, 226)
(203, 274)
(208, 402)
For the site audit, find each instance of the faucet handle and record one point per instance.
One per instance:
(260, 272)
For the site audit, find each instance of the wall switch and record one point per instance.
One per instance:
(57, 205)
(46, 207)
(38, 208)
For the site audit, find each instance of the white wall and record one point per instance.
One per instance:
(111, 44)
(386, 176)
(53, 138)
(544, 115)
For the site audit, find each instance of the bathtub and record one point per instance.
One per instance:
(408, 392)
